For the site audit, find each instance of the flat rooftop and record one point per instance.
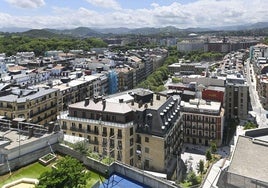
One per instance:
(250, 159)
(12, 138)
(201, 106)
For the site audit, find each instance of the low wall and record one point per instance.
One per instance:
(89, 162)
(24, 160)
(116, 167)
(257, 132)
(140, 176)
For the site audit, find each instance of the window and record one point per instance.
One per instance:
(131, 131)
(80, 126)
(119, 133)
(131, 152)
(75, 113)
(146, 163)
(131, 141)
(88, 128)
(111, 131)
(147, 150)
(146, 139)
(119, 144)
(80, 135)
(131, 162)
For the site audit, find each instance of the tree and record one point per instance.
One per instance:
(213, 147)
(201, 167)
(250, 125)
(80, 147)
(192, 178)
(208, 155)
(69, 173)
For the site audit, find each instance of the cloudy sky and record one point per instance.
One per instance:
(130, 13)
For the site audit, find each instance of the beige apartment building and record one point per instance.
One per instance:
(203, 122)
(107, 126)
(136, 127)
(36, 105)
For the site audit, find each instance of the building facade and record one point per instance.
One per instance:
(107, 126)
(236, 97)
(202, 122)
(39, 105)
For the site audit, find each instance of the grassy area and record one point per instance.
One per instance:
(35, 170)
(31, 171)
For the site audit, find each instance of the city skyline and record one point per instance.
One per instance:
(39, 14)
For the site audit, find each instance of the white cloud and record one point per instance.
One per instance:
(109, 4)
(202, 13)
(27, 3)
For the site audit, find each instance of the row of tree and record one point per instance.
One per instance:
(10, 45)
(156, 80)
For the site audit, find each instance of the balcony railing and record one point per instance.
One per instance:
(65, 116)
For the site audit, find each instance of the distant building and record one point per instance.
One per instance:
(214, 93)
(188, 68)
(191, 45)
(202, 122)
(36, 105)
(236, 97)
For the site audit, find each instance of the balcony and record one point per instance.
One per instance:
(64, 127)
(119, 136)
(95, 142)
(104, 134)
(73, 129)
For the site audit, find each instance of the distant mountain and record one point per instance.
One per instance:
(40, 33)
(101, 32)
(258, 25)
(14, 29)
(77, 32)
(119, 30)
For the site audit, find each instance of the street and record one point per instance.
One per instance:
(255, 101)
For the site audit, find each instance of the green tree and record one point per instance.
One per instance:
(201, 166)
(213, 147)
(69, 174)
(80, 147)
(192, 178)
(208, 155)
(250, 125)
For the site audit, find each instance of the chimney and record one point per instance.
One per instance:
(103, 104)
(151, 102)
(31, 132)
(140, 103)
(86, 101)
(157, 97)
(132, 102)
(121, 100)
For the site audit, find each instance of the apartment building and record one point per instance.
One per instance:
(37, 105)
(78, 89)
(159, 132)
(236, 97)
(133, 127)
(262, 88)
(108, 127)
(202, 122)
(125, 78)
(188, 68)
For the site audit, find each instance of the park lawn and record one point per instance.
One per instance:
(35, 170)
(31, 171)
